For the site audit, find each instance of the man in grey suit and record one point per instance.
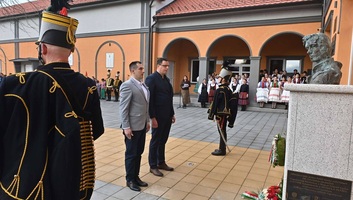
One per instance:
(134, 102)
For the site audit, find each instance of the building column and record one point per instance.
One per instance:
(254, 77)
(203, 68)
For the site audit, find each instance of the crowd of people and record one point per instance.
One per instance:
(106, 87)
(238, 85)
(271, 87)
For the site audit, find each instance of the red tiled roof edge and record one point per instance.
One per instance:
(184, 7)
(35, 6)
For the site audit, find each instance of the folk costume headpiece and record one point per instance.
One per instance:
(225, 73)
(56, 27)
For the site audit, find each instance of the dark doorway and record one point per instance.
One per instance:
(276, 64)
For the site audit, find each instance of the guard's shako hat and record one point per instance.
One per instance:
(225, 73)
(56, 27)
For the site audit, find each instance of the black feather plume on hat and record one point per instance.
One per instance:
(226, 64)
(57, 5)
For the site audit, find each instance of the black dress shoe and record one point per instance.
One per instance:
(218, 152)
(140, 182)
(133, 186)
(156, 172)
(165, 167)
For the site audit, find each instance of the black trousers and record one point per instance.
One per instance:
(157, 144)
(109, 94)
(116, 93)
(134, 149)
(222, 125)
(234, 111)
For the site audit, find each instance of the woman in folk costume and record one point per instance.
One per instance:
(285, 94)
(235, 88)
(268, 79)
(220, 110)
(185, 85)
(244, 95)
(296, 79)
(262, 92)
(203, 95)
(211, 89)
(234, 85)
(275, 92)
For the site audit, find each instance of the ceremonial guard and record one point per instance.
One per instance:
(49, 121)
(116, 86)
(110, 84)
(224, 109)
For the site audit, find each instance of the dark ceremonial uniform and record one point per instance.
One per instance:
(110, 84)
(117, 84)
(46, 143)
(220, 109)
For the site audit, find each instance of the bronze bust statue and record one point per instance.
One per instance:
(325, 70)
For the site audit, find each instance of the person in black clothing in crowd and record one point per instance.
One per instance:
(303, 78)
(223, 109)
(49, 121)
(243, 95)
(261, 74)
(110, 85)
(203, 95)
(116, 86)
(162, 115)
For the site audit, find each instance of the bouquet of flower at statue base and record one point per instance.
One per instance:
(271, 193)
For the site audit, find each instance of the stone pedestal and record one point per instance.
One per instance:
(319, 139)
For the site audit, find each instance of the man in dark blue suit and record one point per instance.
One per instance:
(162, 116)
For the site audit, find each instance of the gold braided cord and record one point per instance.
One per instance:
(88, 168)
(40, 191)
(59, 20)
(60, 23)
(61, 133)
(71, 114)
(87, 157)
(70, 35)
(90, 91)
(53, 88)
(87, 143)
(57, 84)
(40, 186)
(14, 184)
(85, 196)
(21, 77)
(5, 190)
(16, 181)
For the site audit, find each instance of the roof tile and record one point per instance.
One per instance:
(179, 7)
(34, 6)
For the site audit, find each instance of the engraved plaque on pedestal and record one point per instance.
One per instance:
(303, 186)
